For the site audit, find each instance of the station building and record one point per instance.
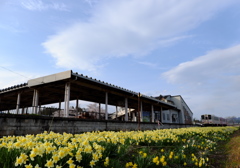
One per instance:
(63, 87)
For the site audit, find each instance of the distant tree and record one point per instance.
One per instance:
(94, 107)
(232, 120)
(195, 120)
(47, 110)
(238, 120)
(79, 109)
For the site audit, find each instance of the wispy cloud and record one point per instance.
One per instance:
(149, 64)
(127, 28)
(14, 27)
(91, 2)
(39, 5)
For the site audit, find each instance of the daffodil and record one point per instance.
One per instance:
(36, 166)
(32, 155)
(28, 166)
(106, 163)
(59, 147)
(72, 166)
(129, 164)
(92, 163)
(70, 161)
(134, 165)
(49, 163)
(19, 161)
(164, 163)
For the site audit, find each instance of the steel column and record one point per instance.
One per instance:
(35, 101)
(77, 107)
(106, 106)
(116, 112)
(66, 99)
(59, 108)
(23, 108)
(99, 111)
(141, 111)
(18, 102)
(152, 116)
(134, 117)
(126, 109)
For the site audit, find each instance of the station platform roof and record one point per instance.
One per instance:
(51, 89)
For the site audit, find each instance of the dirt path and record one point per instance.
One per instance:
(227, 154)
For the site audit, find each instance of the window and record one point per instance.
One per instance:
(168, 118)
(209, 117)
(163, 116)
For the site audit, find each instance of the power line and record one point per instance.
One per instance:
(14, 72)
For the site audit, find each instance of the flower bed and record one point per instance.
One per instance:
(134, 149)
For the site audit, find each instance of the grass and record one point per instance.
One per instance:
(227, 154)
(233, 151)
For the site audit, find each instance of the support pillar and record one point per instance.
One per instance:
(66, 99)
(18, 102)
(99, 111)
(134, 118)
(116, 113)
(126, 109)
(35, 101)
(106, 106)
(59, 108)
(141, 111)
(23, 108)
(39, 107)
(152, 116)
(76, 108)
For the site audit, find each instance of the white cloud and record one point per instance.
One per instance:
(39, 5)
(215, 65)
(212, 82)
(127, 28)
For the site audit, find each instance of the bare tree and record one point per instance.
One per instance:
(94, 107)
(94, 112)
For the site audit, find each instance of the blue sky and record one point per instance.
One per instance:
(178, 47)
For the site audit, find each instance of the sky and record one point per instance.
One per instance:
(156, 47)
